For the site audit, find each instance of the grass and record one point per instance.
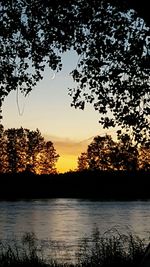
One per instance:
(109, 250)
(112, 249)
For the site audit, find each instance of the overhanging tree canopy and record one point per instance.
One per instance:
(113, 44)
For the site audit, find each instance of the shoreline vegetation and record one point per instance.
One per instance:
(101, 185)
(107, 250)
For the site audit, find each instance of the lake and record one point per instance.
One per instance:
(66, 221)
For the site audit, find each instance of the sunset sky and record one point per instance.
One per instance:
(48, 109)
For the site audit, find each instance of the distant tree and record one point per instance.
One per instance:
(42, 156)
(25, 150)
(46, 159)
(144, 156)
(105, 154)
(12, 150)
(125, 154)
(16, 143)
(22, 149)
(111, 40)
(35, 143)
(83, 162)
(99, 153)
(3, 151)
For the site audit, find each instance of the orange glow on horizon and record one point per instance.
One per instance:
(66, 163)
(69, 151)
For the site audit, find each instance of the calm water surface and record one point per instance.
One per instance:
(68, 220)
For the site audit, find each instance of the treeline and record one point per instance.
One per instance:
(102, 185)
(25, 150)
(103, 153)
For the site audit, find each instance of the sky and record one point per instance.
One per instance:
(48, 108)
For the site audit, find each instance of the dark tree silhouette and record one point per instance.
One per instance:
(105, 154)
(83, 162)
(3, 151)
(12, 150)
(25, 150)
(141, 7)
(99, 153)
(47, 159)
(35, 146)
(125, 154)
(144, 156)
(112, 42)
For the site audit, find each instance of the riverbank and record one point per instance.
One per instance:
(109, 250)
(103, 185)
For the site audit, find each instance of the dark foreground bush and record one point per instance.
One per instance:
(109, 250)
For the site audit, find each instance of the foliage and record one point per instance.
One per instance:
(25, 150)
(144, 156)
(98, 153)
(111, 73)
(3, 147)
(125, 155)
(105, 154)
(83, 162)
(112, 43)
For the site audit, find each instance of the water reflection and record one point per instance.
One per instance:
(68, 220)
